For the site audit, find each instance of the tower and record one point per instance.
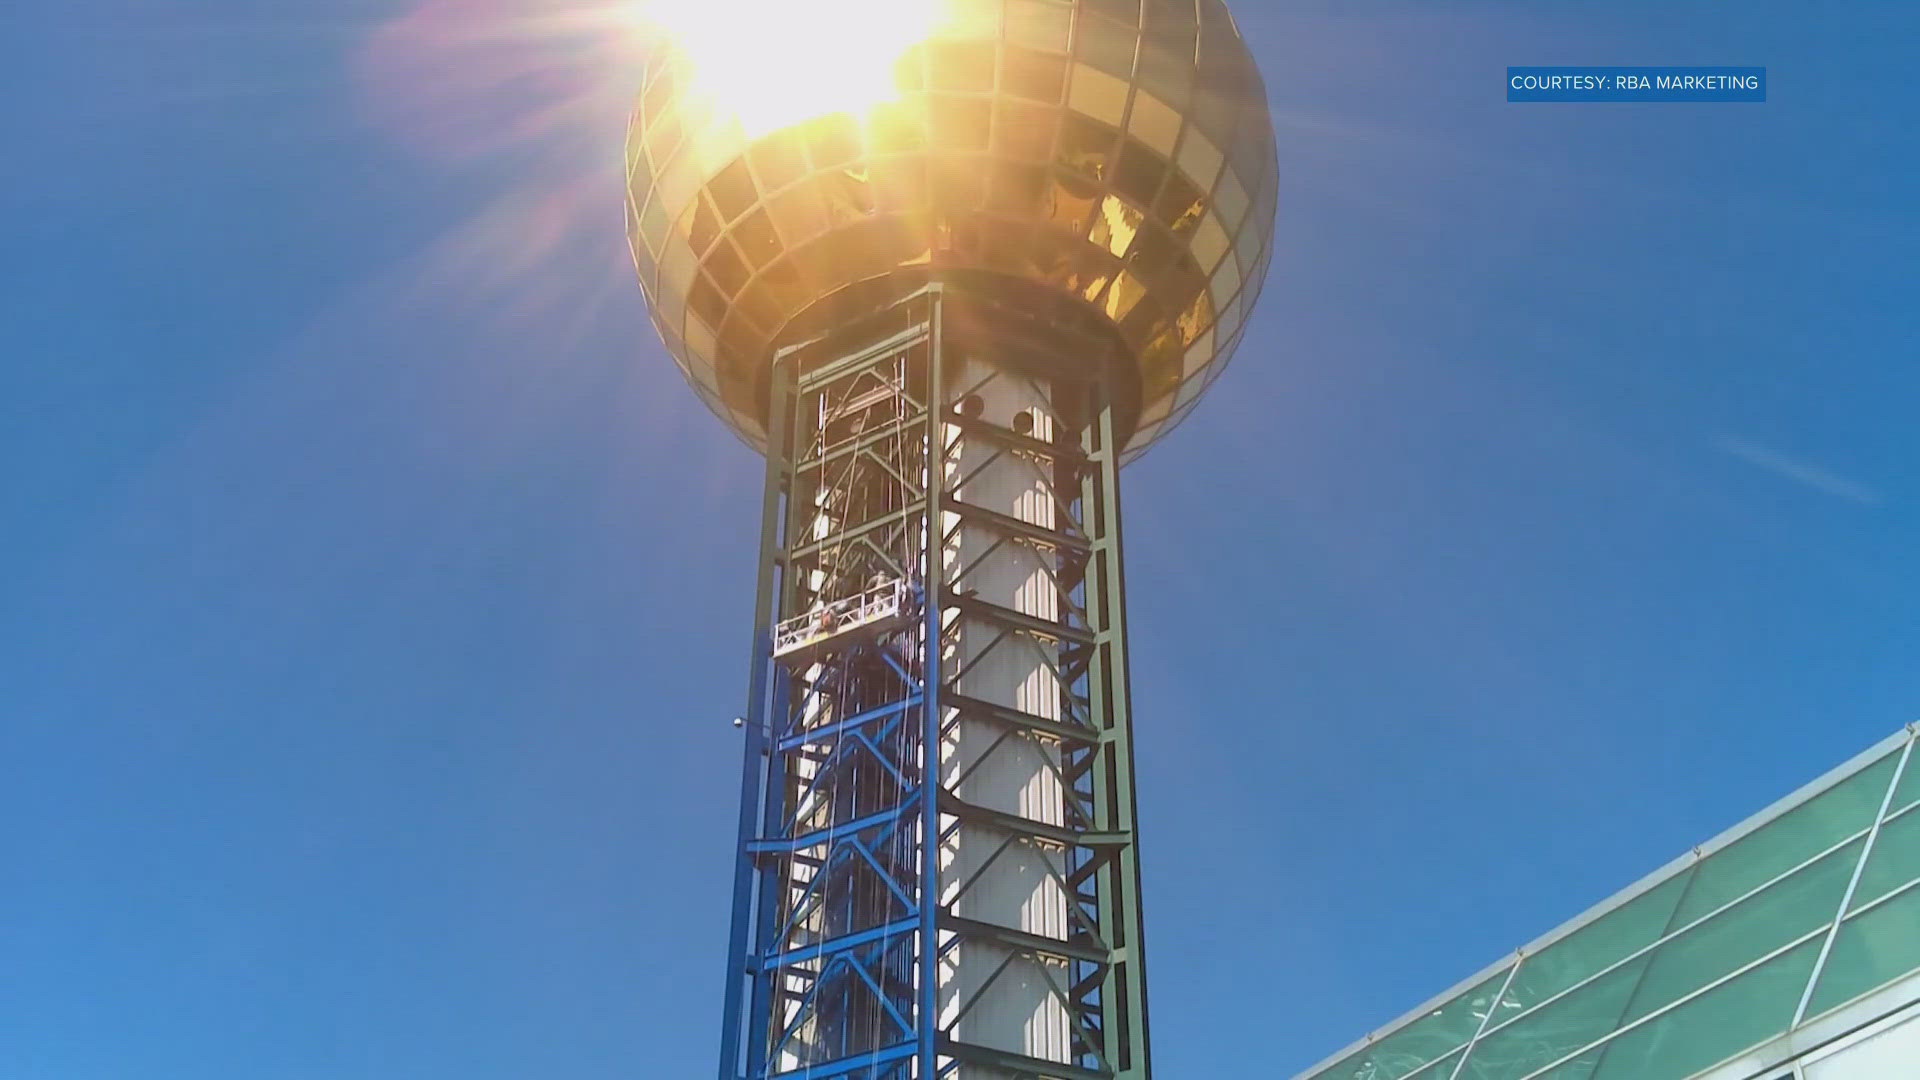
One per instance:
(949, 264)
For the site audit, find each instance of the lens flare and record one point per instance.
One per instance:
(772, 64)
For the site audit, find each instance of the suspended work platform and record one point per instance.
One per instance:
(882, 609)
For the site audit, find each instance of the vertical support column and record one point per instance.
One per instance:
(1110, 691)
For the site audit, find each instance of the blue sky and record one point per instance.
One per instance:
(374, 597)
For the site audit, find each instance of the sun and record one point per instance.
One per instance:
(772, 64)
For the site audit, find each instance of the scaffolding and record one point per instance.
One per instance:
(851, 910)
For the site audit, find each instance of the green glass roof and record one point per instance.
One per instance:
(1806, 907)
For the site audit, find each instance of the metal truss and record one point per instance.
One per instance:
(841, 917)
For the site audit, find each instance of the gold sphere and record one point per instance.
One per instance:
(1113, 155)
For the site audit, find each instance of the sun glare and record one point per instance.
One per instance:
(776, 63)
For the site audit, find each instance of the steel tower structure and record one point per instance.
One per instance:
(948, 318)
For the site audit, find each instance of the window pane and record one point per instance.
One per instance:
(733, 190)
(1783, 843)
(1439, 1070)
(1034, 75)
(1607, 940)
(1434, 1035)
(1799, 905)
(1550, 1033)
(1894, 861)
(1126, 11)
(1908, 792)
(1715, 1025)
(1039, 24)
(1871, 948)
(1107, 46)
(1098, 94)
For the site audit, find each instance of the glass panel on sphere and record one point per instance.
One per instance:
(1785, 911)
(910, 71)
(1908, 792)
(653, 225)
(1040, 24)
(1008, 246)
(832, 141)
(1071, 202)
(1125, 292)
(1156, 255)
(706, 300)
(1166, 71)
(662, 139)
(1018, 188)
(677, 267)
(1138, 173)
(1226, 282)
(1872, 948)
(1115, 226)
(778, 160)
(756, 239)
(1230, 201)
(1099, 95)
(1228, 326)
(898, 128)
(1122, 11)
(658, 93)
(1196, 317)
(1787, 841)
(1714, 1026)
(1107, 46)
(1607, 940)
(1180, 206)
(901, 183)
(1199, 159)
(783, 281)
(726, 268)
(676, 186)
(1092, 271)
(799, 214)
(964, 67)
(1251, 158)
(959, 183)
(963, 124)
(701, 224)
(830, 261)
(1085, 145)
(1894, 862)
(1171, 18)
(716, 146)
(1553, 1031)
(1249, 246)
(1023, 131)
(969, 20)
(733, 190)
(758, 304)
(1154, 123)
(848, 194)
(643, 265)
(701, 343)
(1210, 243)
(1218, 97)
(1142, 327)
(1202, 351)
(1034, 75)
